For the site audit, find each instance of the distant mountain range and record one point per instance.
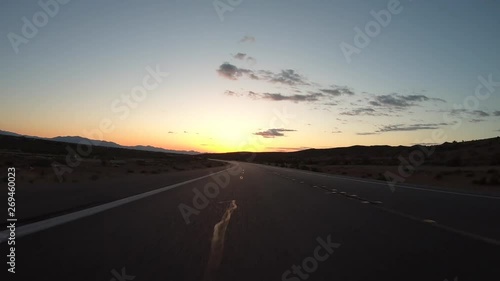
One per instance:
(78, 139)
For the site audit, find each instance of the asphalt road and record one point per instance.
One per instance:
(272, 223)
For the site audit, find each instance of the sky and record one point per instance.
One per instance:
(260, 75)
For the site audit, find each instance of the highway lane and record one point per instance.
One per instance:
(466, 212)
(277, 223)
(40, 200)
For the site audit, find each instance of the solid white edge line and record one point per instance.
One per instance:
(49, 223)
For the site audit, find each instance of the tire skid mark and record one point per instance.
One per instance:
(217, 244)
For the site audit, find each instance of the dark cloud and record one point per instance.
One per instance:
(229, 71)
(336, 132)
(337, 91)
(244, 57)
(240, 56)
(253, 95)
(366, 134)
(272, 133)
(480, 113)
(287, 77)
(277, 96)
(412, 127)
(249, 39)
(232, 72)
(390, 100)
(420, 98)
(331, 104)
(294, 98)
(367, 111)
(458, 111)
(170, 132)
(401, 101)
(381, 105)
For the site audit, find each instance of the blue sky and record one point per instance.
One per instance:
(399, 89)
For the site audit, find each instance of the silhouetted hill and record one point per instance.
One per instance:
(472, 153)
(9, 133)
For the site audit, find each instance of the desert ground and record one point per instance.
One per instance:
(485, 178)
(37, 168)
(468, 165)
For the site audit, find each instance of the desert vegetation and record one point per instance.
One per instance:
(35, 160)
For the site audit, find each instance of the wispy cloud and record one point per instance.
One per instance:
(287, 77)
(294, 98)
(411, 127)
(240, 56)
(475, 115)
(277, 96)
(367, 111)
(251, 60)
(231, 93)
(458, 111)
(247, 39)
(244, 57)
(337, 91)
(401, 101)
(476, 120)
(331, 103)
(272, 133)
(480, 113)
